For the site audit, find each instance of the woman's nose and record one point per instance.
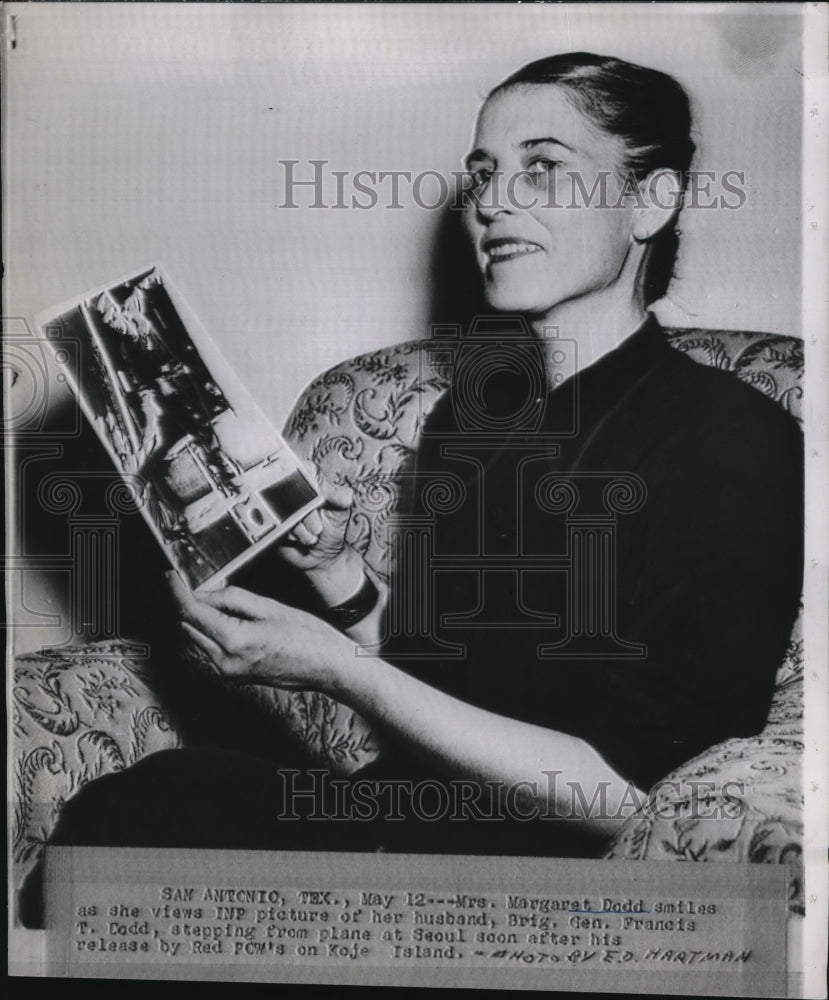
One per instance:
(490, 199)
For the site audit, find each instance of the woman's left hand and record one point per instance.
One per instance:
(255, 640)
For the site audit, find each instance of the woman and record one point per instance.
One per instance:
(577, 172)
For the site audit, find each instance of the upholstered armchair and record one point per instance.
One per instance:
(79, 712)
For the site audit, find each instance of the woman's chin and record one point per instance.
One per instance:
(512, 300)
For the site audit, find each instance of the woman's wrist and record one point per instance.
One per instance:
(336, 581)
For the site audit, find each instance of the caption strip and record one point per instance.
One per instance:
(296, 916)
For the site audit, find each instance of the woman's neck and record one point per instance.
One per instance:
(597, 323)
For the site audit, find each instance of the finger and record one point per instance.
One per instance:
(213, 651)
(336, 495)
(304, 536)
(241, 603)
(180, 591)
(313, 523)
(210, 619)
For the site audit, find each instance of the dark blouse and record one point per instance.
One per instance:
(702, 576)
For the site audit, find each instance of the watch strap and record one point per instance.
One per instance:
(359, 606)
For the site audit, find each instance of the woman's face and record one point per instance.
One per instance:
(540, 236)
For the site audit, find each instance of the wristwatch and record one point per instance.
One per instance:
(344, 616)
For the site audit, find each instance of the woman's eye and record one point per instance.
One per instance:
(539, 169)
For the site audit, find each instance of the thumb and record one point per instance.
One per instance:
(337, 495)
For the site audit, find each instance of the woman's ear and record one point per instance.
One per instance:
(661, 200)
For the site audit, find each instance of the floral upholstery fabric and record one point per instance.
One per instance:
(359, 424)
(76, 714)
(85, 711)
(772, 363)
(81, 712)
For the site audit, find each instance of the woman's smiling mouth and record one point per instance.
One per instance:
(503, 249)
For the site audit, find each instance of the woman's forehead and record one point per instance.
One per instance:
(523, 114)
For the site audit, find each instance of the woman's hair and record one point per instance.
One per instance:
(647, 109)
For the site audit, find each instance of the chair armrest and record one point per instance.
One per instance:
(77, 713)
(742, 800)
